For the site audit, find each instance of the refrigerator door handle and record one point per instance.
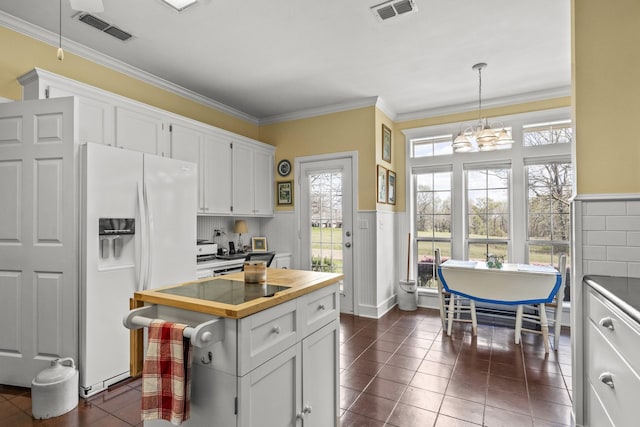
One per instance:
(143, 228)
(149, 232)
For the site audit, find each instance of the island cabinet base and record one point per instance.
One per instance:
(278, 367)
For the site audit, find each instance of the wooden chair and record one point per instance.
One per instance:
(453, 306)
(537, 313)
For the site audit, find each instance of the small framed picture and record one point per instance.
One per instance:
(382, 184)
(391, 187)
(285, 192)
(386, 144)
(259, 244)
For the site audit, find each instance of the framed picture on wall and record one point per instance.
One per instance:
(391, 187)
(259, 244)
(386, 144)
(285, 192)
(382, 184)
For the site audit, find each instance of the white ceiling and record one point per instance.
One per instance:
(272, 58)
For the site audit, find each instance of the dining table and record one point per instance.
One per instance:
(512, 284)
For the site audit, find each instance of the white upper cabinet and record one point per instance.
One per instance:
(216, 155)
(139, 130)
(235, 173)
(252, 180)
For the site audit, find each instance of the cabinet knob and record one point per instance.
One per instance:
(607, 378)
(307, 409)
(300, 415)
(607, 322)
(276, 329)
(348, 244)
(321, 307)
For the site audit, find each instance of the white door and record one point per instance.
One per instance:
(243, 180)
(139, 130)
(38, 237)
(186, 145)
(326, 221)
(217, 175)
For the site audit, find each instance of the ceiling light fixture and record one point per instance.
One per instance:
(483, 136)
(180, 5)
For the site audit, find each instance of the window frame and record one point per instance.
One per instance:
(518, 157)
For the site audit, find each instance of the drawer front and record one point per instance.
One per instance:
(620, 400)
(318, 308)
(620, 330)
(597, 416)
(265, 334)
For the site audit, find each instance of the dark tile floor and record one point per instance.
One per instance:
(395, 371)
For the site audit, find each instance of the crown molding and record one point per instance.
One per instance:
(320, 111)
(522, 98)
(386, 109)
(46, 36)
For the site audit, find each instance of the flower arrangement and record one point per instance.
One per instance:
(495, 261)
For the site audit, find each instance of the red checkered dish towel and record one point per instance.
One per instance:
(166, 375)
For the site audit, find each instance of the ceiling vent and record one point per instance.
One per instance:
(103, 26)
(393, 8)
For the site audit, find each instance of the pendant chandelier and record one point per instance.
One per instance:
(482, 136)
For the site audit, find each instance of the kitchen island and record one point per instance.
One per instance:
(272, 354)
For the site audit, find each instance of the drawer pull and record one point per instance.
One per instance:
(607, 378)
(321, 307)
(607, 322)
(276, 329)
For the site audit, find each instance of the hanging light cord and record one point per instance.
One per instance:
(479, 93)
(60, 27)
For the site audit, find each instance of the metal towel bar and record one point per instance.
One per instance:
(202, 335)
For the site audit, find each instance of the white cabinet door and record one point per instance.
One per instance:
(95, 117)
(139, 130)
(282, 261)
(270, 394)
(252, 180)
(320, 404)
(217, 175)
(185, 144)
(263, 183)
(243, 184)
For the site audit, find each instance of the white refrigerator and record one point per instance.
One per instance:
(138, 232)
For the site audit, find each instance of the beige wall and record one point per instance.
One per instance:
(21, 54)
(352, 130)
(606, 79)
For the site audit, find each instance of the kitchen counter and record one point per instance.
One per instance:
(297, 283)
(622, 291)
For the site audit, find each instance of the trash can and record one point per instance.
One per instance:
(407, 295)
(54, 391)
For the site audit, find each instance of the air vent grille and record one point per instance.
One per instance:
(393, 8)
(104, 26)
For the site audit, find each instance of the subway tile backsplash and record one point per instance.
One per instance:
(611, 238)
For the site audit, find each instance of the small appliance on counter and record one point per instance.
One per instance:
(206, 250)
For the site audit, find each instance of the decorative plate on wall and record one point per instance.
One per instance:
(284, 167)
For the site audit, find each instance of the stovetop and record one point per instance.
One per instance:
(226, 291)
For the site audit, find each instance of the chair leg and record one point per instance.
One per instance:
(545, 327)
(518, 323)
(442, 311)
(452, 306)
(557, 324)
(474, 319)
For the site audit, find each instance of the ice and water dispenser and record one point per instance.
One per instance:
(116, 240)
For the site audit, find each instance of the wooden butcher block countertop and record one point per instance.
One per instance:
(297, 283)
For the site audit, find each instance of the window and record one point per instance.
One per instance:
(433, 146)
(488, 213)
(432, 221)
(548, 212)
(547, 133)
(511, 203)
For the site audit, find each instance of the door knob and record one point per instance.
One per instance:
(348, 244)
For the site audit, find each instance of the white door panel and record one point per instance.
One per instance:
(38, 242)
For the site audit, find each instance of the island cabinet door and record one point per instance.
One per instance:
(270, 394)
(320, 367)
